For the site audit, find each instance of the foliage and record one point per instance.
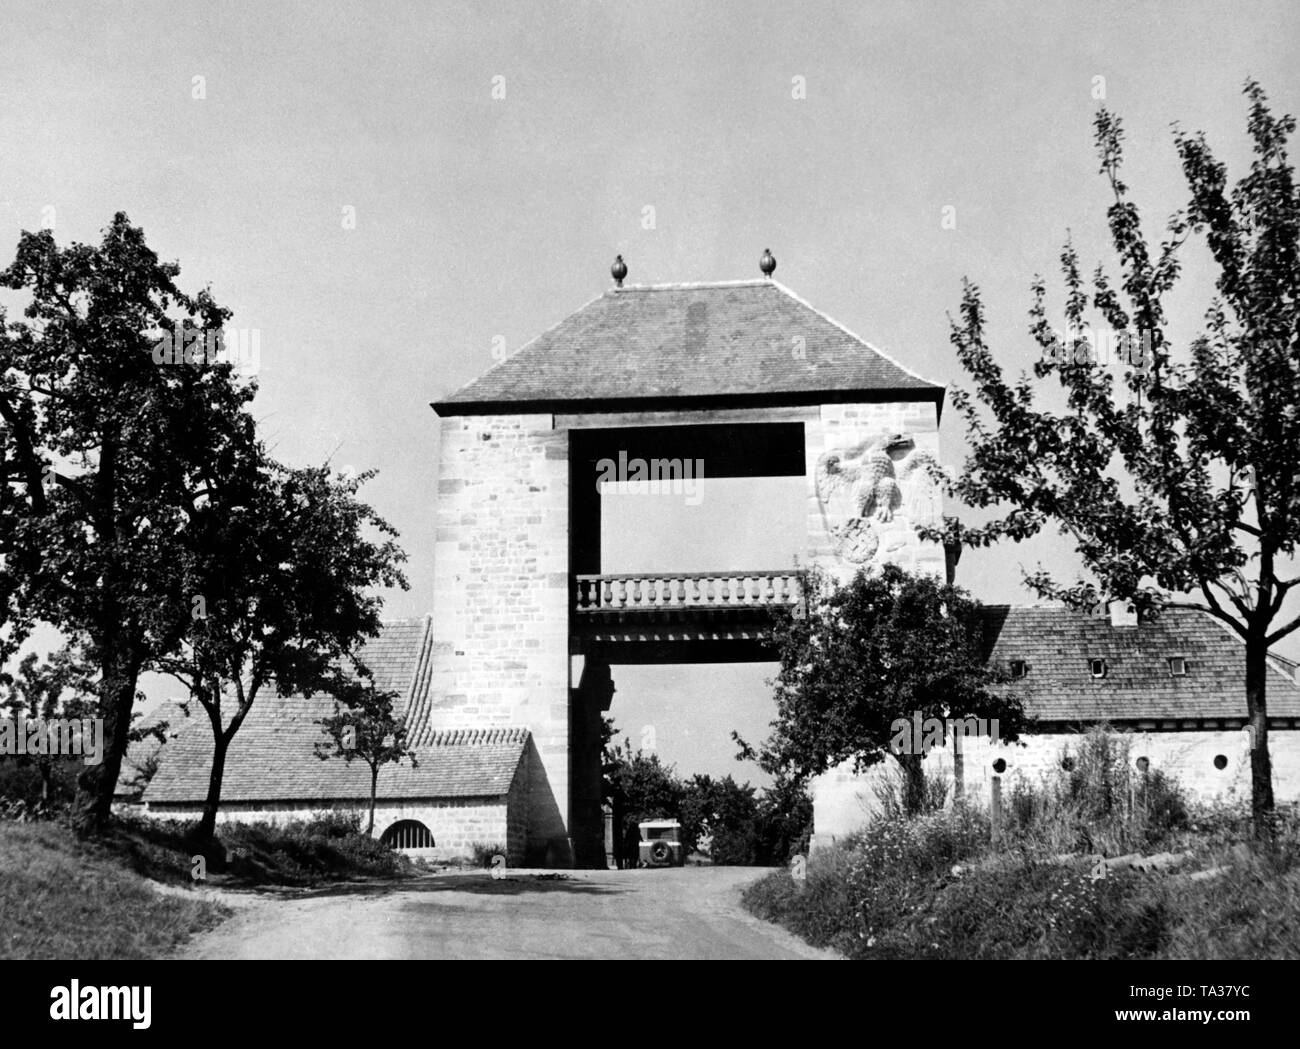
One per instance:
(890, 792)
(106, 456)
(1188, 484)
(739, 825)
(60, 686)
(304, 853)
(639, 787)
(882, 647)
(930, 888)
(280, 568)
(726, 814)
(482, 853)
(1100, 804)
(333, 824)
(364, 728)
(785, 821)
(64, 898)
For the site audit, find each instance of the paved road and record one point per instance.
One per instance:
(691, 912)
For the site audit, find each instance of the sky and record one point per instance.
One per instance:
(383, 192)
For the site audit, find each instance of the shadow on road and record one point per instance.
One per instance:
(483, 884)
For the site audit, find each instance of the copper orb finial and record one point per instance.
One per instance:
(618, 271)
(767, 263)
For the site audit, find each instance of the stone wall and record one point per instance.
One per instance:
(455, 823)
(501, 596)
(843, 801)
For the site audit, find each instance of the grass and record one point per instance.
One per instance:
(934, 886)
(64, 898)
(1026, 906)
(124, 895)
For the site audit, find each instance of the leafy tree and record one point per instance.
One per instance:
(60, 686)
(1185, 490)
(727, 813)
(883, 647)
(639, 787)
(280, 567)
(106, 456)
(364, 727)
(785, 820)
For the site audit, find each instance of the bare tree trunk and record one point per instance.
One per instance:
(1261, 766)
(913, 783)
(96, 783)
(208, 822)
(374, 787)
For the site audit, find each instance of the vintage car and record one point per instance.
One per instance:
(661, 844)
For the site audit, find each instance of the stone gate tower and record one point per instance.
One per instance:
(743, 375)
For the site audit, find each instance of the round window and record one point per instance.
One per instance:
(1143, 764)
(1220, 762)
(1000, 766)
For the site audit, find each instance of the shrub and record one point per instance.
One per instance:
(1100, 803)
(333, 825)
(932, 887)
(889, 790)
(482, 852)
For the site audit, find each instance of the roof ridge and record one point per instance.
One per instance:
(466, 736)
(749, 282)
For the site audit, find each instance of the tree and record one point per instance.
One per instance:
(727, 813)
(364, 727)
(105, 456)
(61, 686)
(883, 648)
(785, 819)
(280, 568)
(639, 787)
(1185, 492)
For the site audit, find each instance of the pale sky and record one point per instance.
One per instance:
(478, 217)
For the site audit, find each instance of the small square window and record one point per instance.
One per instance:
(1019, 668)
(1098, 667)
(1177, 666)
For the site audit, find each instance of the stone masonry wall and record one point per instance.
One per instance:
(501, 596)
(455, 823)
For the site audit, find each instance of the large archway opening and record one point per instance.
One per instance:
(688, 554)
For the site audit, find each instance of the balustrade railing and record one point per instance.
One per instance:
(647, 591)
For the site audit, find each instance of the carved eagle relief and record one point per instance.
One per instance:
(861, 487)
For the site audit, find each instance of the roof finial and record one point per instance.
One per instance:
(618, 271)
(767, 263)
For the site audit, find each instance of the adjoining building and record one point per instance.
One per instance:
(1173, 684)
(469, 786)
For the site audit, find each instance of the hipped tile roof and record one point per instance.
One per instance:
(1058, 643)
(690, 341)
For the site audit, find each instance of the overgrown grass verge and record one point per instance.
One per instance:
(65, 898)
(299, 853)
(1021, 905)
(934, 886)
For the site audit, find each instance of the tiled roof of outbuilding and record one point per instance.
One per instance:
(1058, 643)
(272, 755)
(130, 780)
(690, 342)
